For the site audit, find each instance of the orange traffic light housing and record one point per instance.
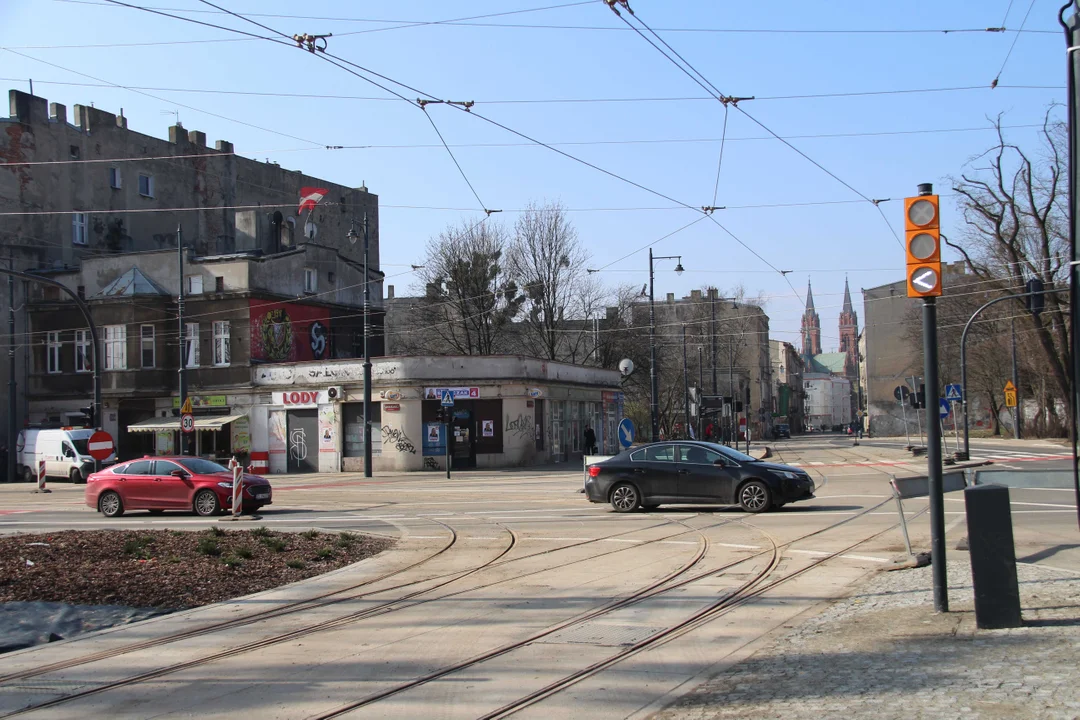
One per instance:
(922, 245)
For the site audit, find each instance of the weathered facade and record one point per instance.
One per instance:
(241, 311)
(789, 396)
(84, 185)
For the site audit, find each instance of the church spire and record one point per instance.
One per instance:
(809, 298)
(811, 327)
(847, 298)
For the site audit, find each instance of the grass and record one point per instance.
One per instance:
(345, 540)
(244, 553)
(310, 534)
(232, 561)
(216, 532)
(324, 553)
(296, 564)
(209, 546)
(275, 544)
(137, 547)
(261, 532)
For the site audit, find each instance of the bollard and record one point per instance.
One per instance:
(993, 557)
(237, 489)
(41, 478)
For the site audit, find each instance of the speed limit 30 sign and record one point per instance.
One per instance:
(187, 422)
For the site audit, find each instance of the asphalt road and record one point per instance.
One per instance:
(507, 592)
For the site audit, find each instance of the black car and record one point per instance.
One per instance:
(696, 473)
(782, 430)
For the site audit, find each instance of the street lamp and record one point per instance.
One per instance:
(655, 406)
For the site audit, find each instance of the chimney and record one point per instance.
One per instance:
(177, 134)
(198, 138)
(223, 146)
(28, 108)
(389, 292)
(82, 118)
(121, 121)
(712, 293)
(671, 297)
(695, 295)
(58, 113)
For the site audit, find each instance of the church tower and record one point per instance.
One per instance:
(811, 327)
(849, 334)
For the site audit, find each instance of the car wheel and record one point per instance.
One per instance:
(156, 512)
(28, 474)
(625, 498)
(206, 503)
(754, 497)
(76, 476)
(110, 504)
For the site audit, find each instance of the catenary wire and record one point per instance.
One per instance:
(1013, 45)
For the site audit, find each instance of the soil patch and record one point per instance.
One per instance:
(168, 569)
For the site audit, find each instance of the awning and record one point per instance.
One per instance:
(212, 423)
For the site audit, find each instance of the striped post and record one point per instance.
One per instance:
(237, 489)
(41, 477)
(260, 462)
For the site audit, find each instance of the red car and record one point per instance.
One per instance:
(171, 483)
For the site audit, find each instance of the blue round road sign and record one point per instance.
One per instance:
(626, 432)
(943, 408)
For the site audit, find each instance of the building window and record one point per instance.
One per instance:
(78, 228)
(146, 185)
(311, 280)
(194, 284)
(73, 151)
(147, 345)
(83, 360)
(191, 345)
(116, 347)
(53, 351)
(219, 283)
(221, 342)
(114, 178)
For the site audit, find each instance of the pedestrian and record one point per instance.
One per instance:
(590, 440)
(710, 433)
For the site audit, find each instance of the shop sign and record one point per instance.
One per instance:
(204, 401)
(392, 395)
(298, 398)
(322, 373)
(536, 392)
(391, 407)
(466, 393)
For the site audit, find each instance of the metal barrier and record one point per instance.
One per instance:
(919, 486)
(1052, 479)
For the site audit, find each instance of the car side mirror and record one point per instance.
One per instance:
(179, 473)
(719, 463)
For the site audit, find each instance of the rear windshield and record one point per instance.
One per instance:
(202, 467)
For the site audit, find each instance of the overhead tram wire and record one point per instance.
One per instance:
(323, 53)
(694, 74)
(417, 103)
(1004, 62)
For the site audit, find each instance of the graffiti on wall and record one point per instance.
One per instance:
(398, 438)
(289, 332)
(521, 427)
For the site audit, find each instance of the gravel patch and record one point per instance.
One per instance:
(884, 652)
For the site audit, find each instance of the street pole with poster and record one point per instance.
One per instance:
(448, 417)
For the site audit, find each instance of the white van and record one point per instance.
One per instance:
(64, 452)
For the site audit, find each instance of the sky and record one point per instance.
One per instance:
(824, 76)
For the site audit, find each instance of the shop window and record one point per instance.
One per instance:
(353, 421)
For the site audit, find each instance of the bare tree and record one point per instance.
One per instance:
(548, 261)
(1016, 228)
(468, 299)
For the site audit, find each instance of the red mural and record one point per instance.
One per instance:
(286, 332)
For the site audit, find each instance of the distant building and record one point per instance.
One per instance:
(789, 395)
(829, 377)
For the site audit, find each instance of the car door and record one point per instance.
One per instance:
(137, 485)
(704, 475)
(172, 490)
(660, 480)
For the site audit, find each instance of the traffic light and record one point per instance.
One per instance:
(89, 413)
(1036, 301)
(922, 229)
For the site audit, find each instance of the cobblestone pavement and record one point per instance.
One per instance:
(884, 653)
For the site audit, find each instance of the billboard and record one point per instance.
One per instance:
(288, 332)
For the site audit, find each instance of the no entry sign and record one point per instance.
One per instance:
(100, 445)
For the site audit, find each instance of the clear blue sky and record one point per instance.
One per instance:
(485, 64)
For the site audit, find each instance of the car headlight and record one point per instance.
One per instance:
(787, 475)
(227, 485)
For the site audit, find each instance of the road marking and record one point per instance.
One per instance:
(1031, 504)
(821, 553)
(738, 546)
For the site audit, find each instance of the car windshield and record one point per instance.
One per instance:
(81, 445)
(202, 467)
(728, 452)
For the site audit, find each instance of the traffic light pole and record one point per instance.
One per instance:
(367, 357)
(181, 373)
(933, 457)
(13, 430)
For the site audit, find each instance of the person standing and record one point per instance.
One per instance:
(590, 441)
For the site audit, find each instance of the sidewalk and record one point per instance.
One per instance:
(883, 652)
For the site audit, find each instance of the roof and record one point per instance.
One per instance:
(809, 297)
(828, 363)
(215, 422)
(133, 282)
(847, 298)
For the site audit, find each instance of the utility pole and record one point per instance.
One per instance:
(1016, 383)
(653, 381)
(701, 389)
(686, 387)
(13, 431)
(183, 446)
(732, 424)
(714, 292)
(367, 358)
(1072, 43)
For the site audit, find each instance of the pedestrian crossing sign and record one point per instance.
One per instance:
(953, 393)
(448, 398)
